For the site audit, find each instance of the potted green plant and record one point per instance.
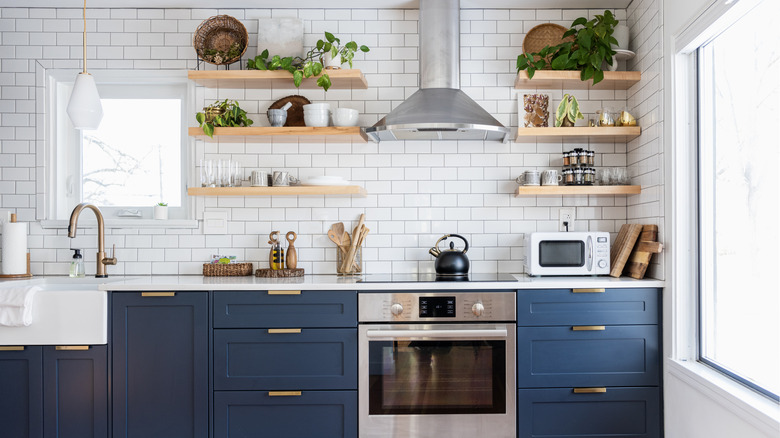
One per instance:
(161, 211)
(224, 113)
(568, 111)
(588, 53)
(313, 62)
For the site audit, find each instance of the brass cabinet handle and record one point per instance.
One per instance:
(588, 328)
(11, 348)
(158, 294)
(588, 291)
(72, 347)
(285, 330)
(284, 292)
(284, 393)
(590, 390)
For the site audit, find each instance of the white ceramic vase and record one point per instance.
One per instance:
(161, 212)
(330, 62)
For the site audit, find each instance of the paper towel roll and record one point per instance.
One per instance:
(14, 253)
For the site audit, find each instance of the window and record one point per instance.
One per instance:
(138, 155)
(739, 284)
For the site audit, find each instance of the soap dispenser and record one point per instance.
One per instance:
(77, 265)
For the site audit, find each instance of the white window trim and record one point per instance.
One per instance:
(681, 195)
(116, 76)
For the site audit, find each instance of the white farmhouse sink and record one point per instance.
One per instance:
(66, 311)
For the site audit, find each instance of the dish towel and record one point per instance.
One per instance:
(16, 305)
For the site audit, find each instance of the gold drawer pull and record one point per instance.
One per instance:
(284, 292)
(588, 328)
(288, 330)
(588, 291)
(284, 393)
(590, 390)
(11, 348)
(72, 347)
(158, 294)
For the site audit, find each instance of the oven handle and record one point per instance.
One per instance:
(450, 334)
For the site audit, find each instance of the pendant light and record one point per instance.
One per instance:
(84, 108)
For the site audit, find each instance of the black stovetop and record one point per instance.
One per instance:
(429, 278)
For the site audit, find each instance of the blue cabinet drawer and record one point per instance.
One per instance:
(264, 360)
(262, 309)
(321, 414)
(581, 356)
(587, 306)
(559, 413)
(21, 392)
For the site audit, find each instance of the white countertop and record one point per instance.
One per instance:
(333, 282)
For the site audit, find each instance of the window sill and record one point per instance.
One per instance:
(124, 223)
(742, 401)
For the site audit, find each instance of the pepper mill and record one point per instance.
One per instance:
(292, 255)
(276, 256)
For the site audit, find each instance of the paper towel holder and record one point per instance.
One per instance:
(18, 276)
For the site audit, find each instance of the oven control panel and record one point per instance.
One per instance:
(436, 306)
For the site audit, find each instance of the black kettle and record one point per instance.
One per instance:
(451, 261)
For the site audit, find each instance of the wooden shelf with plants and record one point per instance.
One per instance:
(577, 190)
(340, 79)
(570, 79)
(277, 191)
(293, 134)
(579, 133)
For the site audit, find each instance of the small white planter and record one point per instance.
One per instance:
(332, 63)
(161, 212)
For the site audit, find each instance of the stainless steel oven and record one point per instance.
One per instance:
(438, 364)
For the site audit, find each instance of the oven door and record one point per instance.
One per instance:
(437, 380)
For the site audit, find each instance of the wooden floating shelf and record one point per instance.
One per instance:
(276, 191)
(293, 134)
(577, 133)
(577, 190)
(340, 79)
(570, 79)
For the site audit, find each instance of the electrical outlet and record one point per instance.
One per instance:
(566, 214)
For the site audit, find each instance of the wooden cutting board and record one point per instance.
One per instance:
(622, 247)
(643, 251)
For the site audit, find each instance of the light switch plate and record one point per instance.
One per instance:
(215, 222)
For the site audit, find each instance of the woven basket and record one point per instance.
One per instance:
(547, 34)
(231, 270)
(220, 33)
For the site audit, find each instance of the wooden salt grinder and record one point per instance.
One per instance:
(292, 254)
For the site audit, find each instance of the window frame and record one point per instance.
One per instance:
(59, 83)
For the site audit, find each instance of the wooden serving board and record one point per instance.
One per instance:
(622, 247)
(643, 251)
(279, 273)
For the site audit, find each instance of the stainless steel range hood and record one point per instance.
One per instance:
(439, 110)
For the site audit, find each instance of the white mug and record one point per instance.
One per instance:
(551, 178)
(259, 178)
(528, 178)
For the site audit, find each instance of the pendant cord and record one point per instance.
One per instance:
(85, 36)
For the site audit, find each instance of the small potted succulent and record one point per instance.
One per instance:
(161, 211)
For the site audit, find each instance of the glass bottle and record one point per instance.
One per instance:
(77, 265)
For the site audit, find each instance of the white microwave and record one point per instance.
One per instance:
(567, 253)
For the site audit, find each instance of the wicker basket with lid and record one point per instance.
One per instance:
(220, 33)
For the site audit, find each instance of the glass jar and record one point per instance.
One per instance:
(568, 176)
(589, 176)
(566, 160)
(591, 158)
(579, 176)
(357, 265)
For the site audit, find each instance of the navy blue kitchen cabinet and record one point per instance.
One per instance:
(21, 386)
(588, 363)
(160, 365)
(275, 309)
(285, 414)
(75, 394)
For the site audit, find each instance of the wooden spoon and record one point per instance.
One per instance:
(348, 260)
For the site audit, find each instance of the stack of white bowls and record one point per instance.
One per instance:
(316, 114)
(345, 117)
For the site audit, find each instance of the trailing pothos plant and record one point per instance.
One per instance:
(311, 64)
(227, 113)
(591, 48)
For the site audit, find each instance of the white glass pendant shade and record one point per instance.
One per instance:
(84, 108)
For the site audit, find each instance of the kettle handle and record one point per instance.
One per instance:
(445, 238)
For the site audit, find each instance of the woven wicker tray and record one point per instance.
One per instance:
(231, 270)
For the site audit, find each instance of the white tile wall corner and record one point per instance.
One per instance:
(417, 190)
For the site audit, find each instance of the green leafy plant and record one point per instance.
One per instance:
(226, 113)
(162, 204)
(591, 48)
(568, 111)
(311, 64)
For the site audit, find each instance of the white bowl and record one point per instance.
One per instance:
(345, 117)
(316, 112)
(317, 106)
(316, 119)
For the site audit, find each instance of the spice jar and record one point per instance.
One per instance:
(566, 160)
(589, 176)
(568, 176)
(591, 157)
(579, 177)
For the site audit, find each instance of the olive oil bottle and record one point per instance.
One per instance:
(276, 256)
